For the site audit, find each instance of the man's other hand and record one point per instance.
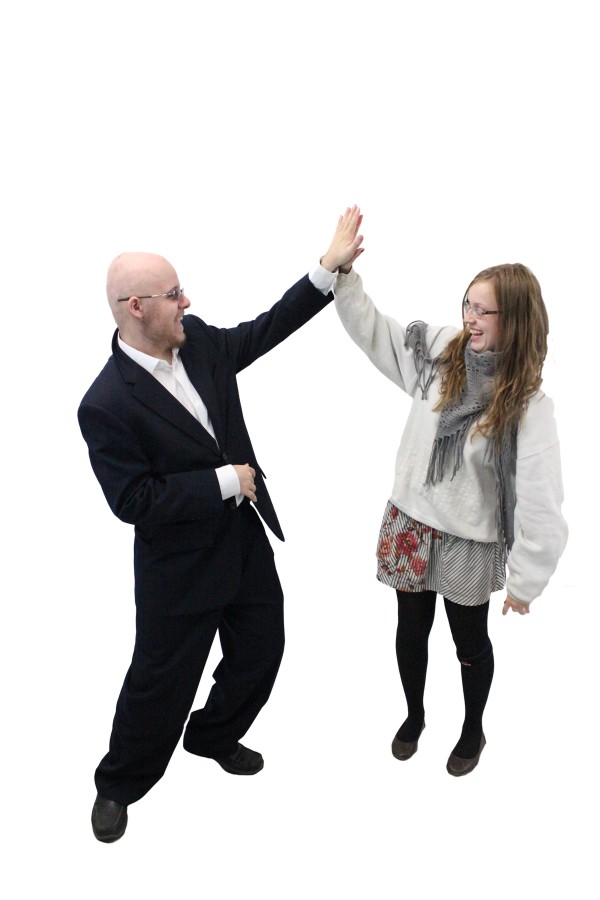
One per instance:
(246, 475)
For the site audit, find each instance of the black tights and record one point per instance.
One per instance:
(468, 625)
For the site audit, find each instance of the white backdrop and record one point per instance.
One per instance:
(228, 137)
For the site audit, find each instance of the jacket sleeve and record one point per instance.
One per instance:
(540, 530)
(381, 337)
(135, 492)
(248, 341)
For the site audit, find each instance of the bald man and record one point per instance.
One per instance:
(168, 443)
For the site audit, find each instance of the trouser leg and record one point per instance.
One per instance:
(468, 625)
(251, 632)
(157, 694)
(416, 613)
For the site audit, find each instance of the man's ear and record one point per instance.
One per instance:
(136, 307)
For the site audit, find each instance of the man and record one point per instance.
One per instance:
(169, 446)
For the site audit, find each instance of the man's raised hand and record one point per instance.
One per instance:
(345, 246)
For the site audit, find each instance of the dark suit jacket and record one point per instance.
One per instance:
(156, 463)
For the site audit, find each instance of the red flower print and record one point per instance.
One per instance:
(406, 543)
(384, 548)
(418, 565)
(394, 512)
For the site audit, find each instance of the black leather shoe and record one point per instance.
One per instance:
(405, 749)
(242, 762)
(109, 820)
(458, 766)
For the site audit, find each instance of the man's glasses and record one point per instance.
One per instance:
(477, 311)
(175, 294)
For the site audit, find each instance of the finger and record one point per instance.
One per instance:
(342, 226)
(356, 255)
(505, 607)
(349, 217)
(354, 219)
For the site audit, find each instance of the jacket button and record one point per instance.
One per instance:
(225, 457)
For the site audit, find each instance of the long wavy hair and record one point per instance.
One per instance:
(522, 344)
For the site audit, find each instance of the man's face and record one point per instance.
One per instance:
(157, 318)
(161, 320)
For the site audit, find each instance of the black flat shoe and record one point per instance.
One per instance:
(109, 820)
(457, 766)
(405, 749)
(242, 762)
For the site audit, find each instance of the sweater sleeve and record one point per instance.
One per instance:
(540, 530)
(381, 337)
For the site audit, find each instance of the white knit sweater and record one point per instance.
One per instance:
(465, 505)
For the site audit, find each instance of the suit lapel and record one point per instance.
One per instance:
(199, 375)
(147, 390)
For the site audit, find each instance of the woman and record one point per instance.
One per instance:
(478, 482)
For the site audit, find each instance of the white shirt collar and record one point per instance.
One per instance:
(149, 363)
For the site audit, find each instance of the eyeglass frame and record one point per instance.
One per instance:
(175, 294)
(477, 311)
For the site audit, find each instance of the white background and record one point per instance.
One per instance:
(228, 137)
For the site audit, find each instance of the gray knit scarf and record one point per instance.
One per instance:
(456, 420)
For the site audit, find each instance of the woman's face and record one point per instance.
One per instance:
(485, 330)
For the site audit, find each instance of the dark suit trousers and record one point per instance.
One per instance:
(168, 660)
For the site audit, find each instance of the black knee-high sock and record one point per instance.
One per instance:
(415, 618)
(477, 673)
(476, 656)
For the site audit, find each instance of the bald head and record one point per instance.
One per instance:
(149, 317)
(137, 274)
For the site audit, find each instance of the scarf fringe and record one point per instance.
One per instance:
(426, 367)
(447, 451)
(505, 465)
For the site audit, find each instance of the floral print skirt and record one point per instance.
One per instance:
(415, 557)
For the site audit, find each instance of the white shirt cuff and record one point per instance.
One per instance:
(229, 482)
(322, 279)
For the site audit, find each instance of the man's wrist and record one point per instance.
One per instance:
(322, 279)
(328, 264)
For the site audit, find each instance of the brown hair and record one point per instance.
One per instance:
(522, 343)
